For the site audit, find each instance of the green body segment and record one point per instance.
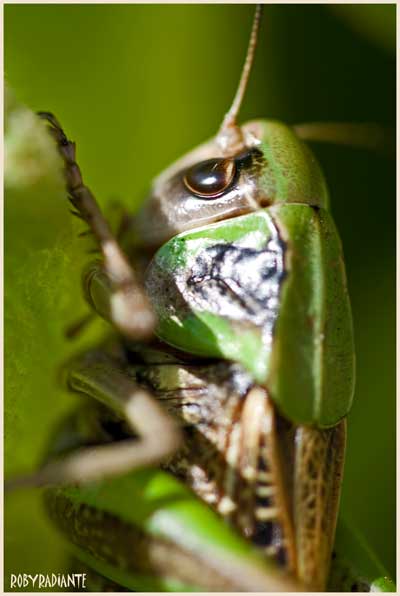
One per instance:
(292, 174)
(158, 507)
(200, 331)
(166, 510)
(294, 335)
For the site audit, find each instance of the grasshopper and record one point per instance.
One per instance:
(235, 265)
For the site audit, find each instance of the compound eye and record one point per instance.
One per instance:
(209, 179)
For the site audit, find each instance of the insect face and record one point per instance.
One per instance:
(204, 187)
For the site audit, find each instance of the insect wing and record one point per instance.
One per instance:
(318, 472)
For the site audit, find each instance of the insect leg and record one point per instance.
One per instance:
(156, 434)
(130, 310)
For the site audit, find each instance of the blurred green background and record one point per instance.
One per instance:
(136, 86)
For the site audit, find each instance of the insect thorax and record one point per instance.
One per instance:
(230, 451)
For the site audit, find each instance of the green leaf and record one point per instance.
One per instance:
(42, 297)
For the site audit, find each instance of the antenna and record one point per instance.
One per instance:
(230, 134)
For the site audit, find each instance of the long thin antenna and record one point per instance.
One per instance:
(229, 132)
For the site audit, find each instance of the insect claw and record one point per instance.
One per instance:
(55, 128)
(48, 116)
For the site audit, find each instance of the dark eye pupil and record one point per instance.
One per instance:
(209, 179)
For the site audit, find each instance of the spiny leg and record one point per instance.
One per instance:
(129, 308)
(95, 282)
(104, 536)
(99, 375)
(263, 513)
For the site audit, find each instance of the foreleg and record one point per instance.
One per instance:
(129, 308)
